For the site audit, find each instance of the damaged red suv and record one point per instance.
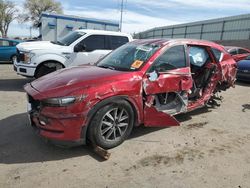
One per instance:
(143, 82)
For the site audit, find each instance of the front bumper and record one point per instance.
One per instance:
(24, 69)
(57, 124)
(243, 75)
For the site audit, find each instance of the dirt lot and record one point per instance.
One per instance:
(211, 148)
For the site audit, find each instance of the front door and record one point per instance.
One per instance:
(166, 86)
(95, 47)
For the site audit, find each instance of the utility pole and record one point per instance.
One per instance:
(121, 16)
(30, 32)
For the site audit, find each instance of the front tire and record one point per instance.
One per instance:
(111, 125)
(47, 68)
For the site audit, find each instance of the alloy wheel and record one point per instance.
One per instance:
(114, 124)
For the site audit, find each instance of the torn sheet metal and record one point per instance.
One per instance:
(154, 118)
(177, 80)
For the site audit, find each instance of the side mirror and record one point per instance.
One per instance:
(152, 76)
(80, 47)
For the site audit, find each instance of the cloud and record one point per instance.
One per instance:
(141, 15)
(132, 22)
(191, 4)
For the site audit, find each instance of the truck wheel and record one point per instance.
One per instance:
(47, 68)
(111, 125)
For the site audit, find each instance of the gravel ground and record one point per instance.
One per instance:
(211, 148)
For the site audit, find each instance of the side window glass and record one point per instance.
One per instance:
(11, 43)
(94, 42)
(117, 41)
(14, 43)
(173, 58)
(198, 56)
(233, 52)
(217, 54)
(242, 51)
(4, 43)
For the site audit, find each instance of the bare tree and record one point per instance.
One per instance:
(34, 8)
(7, 15)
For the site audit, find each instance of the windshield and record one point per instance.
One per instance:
(70, 38)
(128, 57)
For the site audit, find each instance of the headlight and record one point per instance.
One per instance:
(27, 57)
(63, 101)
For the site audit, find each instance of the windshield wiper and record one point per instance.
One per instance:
(107, 67)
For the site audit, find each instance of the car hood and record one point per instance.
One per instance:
(38, 45)
(244, 65)
(66, 81)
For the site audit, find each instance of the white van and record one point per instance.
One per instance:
(36, 59)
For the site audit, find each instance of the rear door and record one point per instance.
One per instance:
(117, 41)
(170, 73)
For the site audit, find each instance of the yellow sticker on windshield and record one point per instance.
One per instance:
(136, 64)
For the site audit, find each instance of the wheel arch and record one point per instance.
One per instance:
(42, 63)
(101, 104)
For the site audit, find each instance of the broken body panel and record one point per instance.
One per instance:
(155, 96)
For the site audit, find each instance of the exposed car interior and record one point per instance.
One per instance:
(171, 102)
(201, 70)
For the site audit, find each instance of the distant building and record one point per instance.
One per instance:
(54, 26)
(234, 30)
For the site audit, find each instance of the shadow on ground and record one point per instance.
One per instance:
(20, 144)
(188, 116)
(243, 83)
(14, 84)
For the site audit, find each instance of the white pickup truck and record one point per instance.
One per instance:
(36, 59)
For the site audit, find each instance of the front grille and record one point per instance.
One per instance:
(35, 104)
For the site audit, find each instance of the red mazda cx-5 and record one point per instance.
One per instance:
(143, 82)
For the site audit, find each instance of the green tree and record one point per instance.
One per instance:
(34, 8)
(7, 15)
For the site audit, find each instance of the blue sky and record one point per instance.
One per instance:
(140, 15)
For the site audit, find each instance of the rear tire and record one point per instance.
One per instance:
(111, 125)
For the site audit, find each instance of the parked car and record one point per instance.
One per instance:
(238, 53)
(8, 52)
(42, 57)
(142, 82)
(243, 72)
